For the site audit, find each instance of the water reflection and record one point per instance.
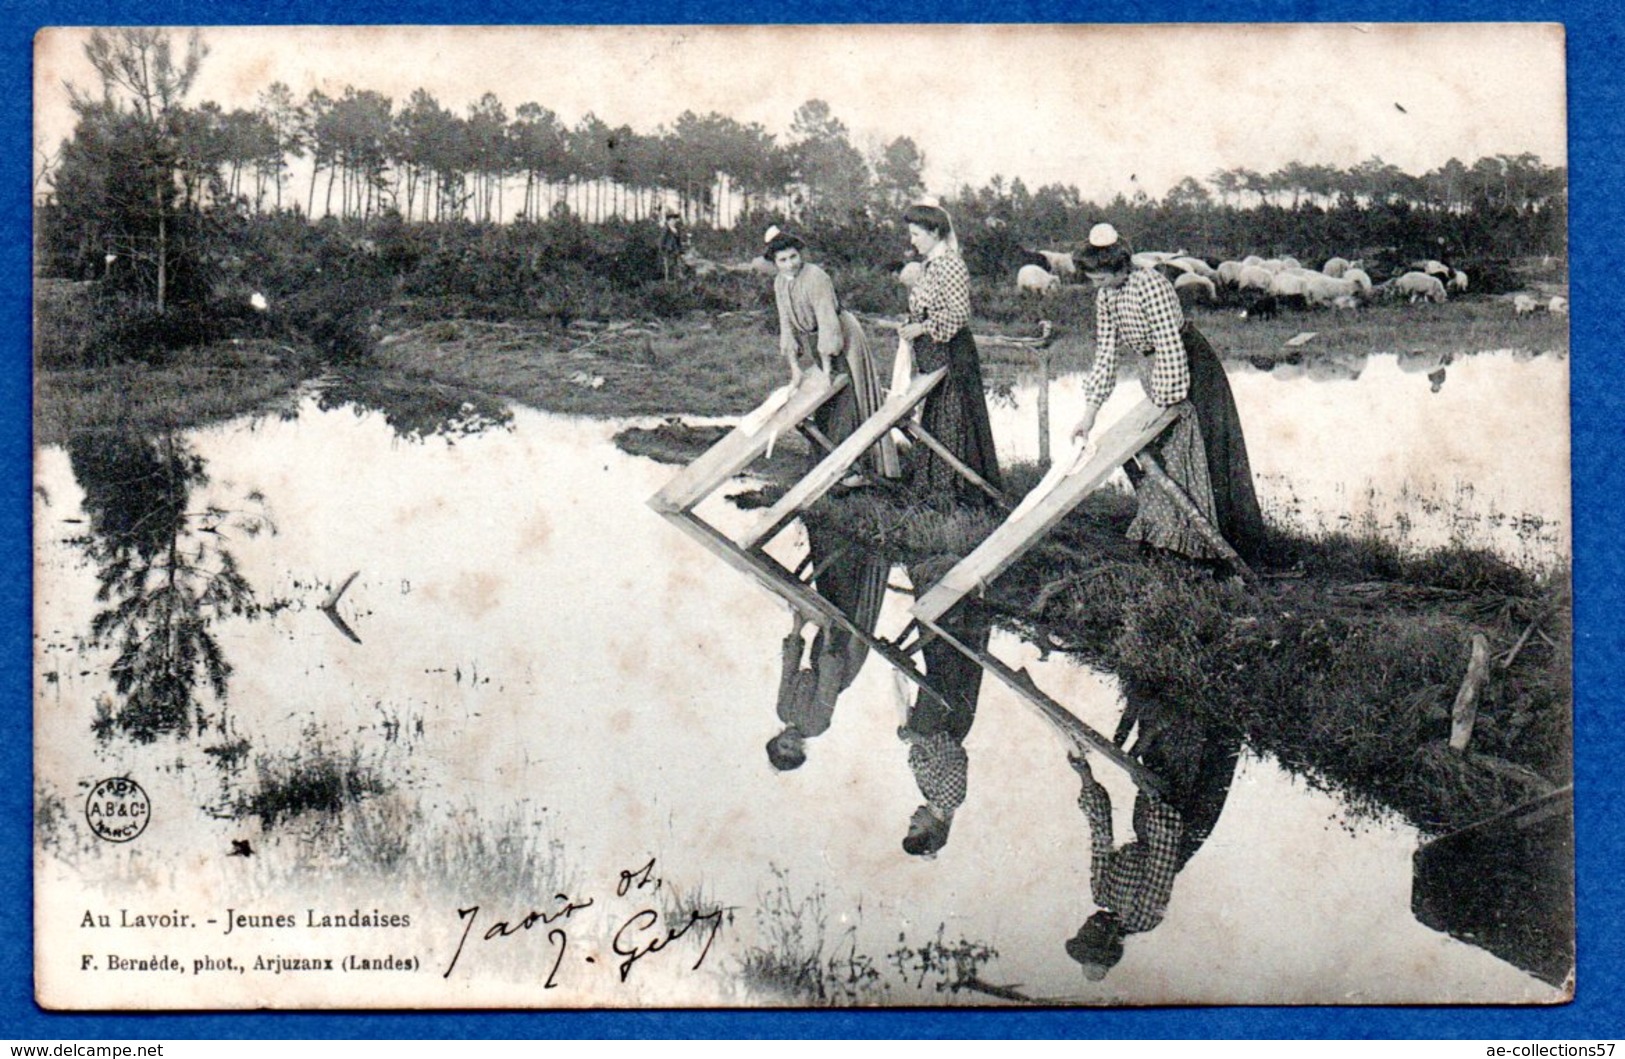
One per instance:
(166, 576)
(854, 580)
(416, 410)
(1131, 884)
(938, 724)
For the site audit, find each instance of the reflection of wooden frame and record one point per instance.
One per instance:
(677, 500)
(1126, 440)
(822, 478)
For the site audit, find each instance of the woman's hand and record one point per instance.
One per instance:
(1085, 424)
(911, 331)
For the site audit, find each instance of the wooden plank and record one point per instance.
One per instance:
(1062, 719)
(773, 577)
(833, 467)
(736, 450)
(1011, 540)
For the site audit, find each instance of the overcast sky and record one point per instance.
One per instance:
(1107, 108)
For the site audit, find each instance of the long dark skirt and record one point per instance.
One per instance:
(1205, 454)
(1234, 502)
(955, 414)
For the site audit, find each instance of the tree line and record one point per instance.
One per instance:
(144, 171)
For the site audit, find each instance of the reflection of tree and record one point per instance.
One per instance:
(415, 411)
(165, 575)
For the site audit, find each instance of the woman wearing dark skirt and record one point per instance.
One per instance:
(1137, 314)
(955, 413)
(814, 327)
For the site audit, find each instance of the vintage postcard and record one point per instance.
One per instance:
(687, 516)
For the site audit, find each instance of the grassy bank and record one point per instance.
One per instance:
(204, 385)
(1342, 662)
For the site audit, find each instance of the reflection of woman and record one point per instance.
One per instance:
(1204, 453)
(813, 325)
(936, 728)
(855, 582)
(1131, 884)
(938, 324)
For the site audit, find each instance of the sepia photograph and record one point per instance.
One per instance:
(883, 516)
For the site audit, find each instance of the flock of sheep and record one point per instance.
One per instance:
(1262, 286)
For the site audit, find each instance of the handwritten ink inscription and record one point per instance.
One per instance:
(642, 933)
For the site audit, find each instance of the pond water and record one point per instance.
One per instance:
(529, 657)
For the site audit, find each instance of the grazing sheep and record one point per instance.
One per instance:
(1252, 259)
(1033, 279)
(1150, 258)
(1291, 262)
(1255, 277)
(1344, 302)
(1335, 267)
(1288, 283)
(1558, 306)
(1416, 285)
(1061, 264)
(1432, 268)
(1229, 272)
(1196, 265)
(1194, 288)
(1524, 304)
(1458, 280)
(1359, 278)
(1324, 290)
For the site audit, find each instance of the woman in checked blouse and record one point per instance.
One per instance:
(938, 324)
(1137, 315)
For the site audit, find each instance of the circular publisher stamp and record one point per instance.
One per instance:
(118, 809)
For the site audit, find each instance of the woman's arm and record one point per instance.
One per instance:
(787, 338)
(826, 310)
(1102, 378)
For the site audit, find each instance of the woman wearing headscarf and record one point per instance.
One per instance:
(1137, 314)
(955, 413)
(813, 325)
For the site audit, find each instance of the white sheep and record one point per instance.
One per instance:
(1360, 278)
(1291, 262)
(1150, 258)
(1252, 259)
(1417, 285)
(1325, 290)
(1032, 278)
(1229, 272)
(1558, 306)
(1287, 283)
(1255, 277)
(1335, 267)
(1061, 264)
(1524, 304)
(1345, 302)
(1192, 287)
(1433, 268)
(1458, 280)
(1196, 265)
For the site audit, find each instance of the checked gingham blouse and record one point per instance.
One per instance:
(1136, 881)
(1142, 316)
(941, 300)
